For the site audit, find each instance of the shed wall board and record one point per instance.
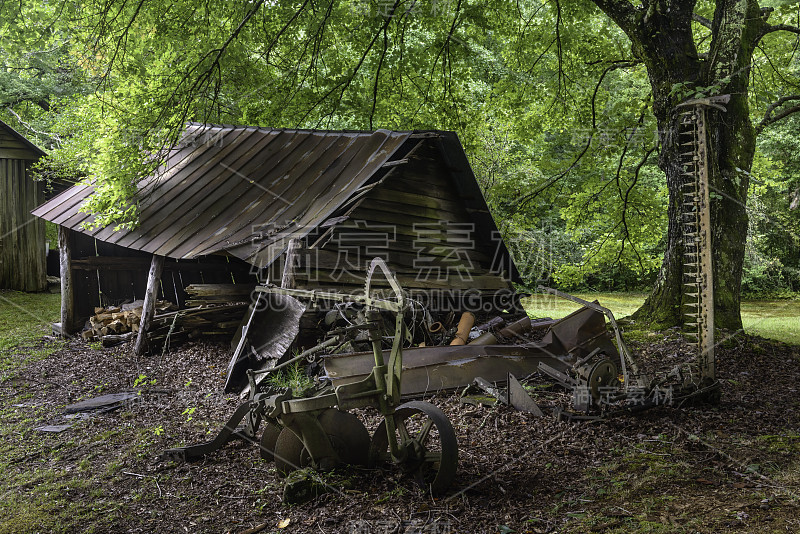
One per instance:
(22, 236)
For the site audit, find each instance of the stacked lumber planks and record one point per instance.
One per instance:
(204, 294)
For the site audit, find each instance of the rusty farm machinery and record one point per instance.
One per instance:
(319, 430)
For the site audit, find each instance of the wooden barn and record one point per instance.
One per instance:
(231, 201)
(22, 236)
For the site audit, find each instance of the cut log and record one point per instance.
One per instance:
(148, 308)
(67, 288)
(111, 340)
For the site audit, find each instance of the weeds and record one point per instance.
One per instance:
(293, 377)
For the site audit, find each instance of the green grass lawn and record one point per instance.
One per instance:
(773, 319)
(24, 319)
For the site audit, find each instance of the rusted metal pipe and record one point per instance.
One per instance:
(435, 327)
(487, 338)
(516, 328)
(464, 326)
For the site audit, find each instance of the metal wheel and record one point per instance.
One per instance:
(268, 440)
(428, 445)
(349, 438)
(290, 454)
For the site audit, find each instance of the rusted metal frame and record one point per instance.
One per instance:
(449, 367)
(699, 263)
(706, 271)
(336, 340)
(380, 389)
(626, 358)
(229, 431)
(395, 363)
(562, 378)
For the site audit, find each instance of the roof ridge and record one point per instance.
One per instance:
(334, 131)
(22, 138)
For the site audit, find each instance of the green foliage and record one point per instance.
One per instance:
(772, 261)
(558, 125)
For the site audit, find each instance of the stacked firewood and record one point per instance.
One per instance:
(213, 309)
(118, 323)
(189, 323)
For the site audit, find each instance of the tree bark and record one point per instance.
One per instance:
(661, 36)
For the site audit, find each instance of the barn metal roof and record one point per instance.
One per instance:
(36, 152)
(242, 190)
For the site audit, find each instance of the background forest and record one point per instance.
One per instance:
(553, 107)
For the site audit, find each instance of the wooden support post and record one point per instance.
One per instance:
(67, 289)
(149, 306)
(287, 280)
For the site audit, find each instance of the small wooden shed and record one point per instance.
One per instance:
(332, 199)
(23, 250)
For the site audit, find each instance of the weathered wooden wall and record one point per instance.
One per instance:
(22, 236)
(417, 223)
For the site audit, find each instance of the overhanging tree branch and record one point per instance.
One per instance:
(770, 28)
(622, 12)
(769, 118)
(528, 198)
(622, 64)
(702, 20)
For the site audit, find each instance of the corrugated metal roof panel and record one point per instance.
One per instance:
(224, 186)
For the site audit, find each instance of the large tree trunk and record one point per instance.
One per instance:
(662, 37)
(730, 154)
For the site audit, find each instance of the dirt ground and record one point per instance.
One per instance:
(732, 467)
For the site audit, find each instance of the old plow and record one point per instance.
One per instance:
(318, 430)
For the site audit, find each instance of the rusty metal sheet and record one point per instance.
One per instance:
(579, 333)
(519, 398)
(270, 329)
(431, 369)
(211, 194)
(108, 402)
